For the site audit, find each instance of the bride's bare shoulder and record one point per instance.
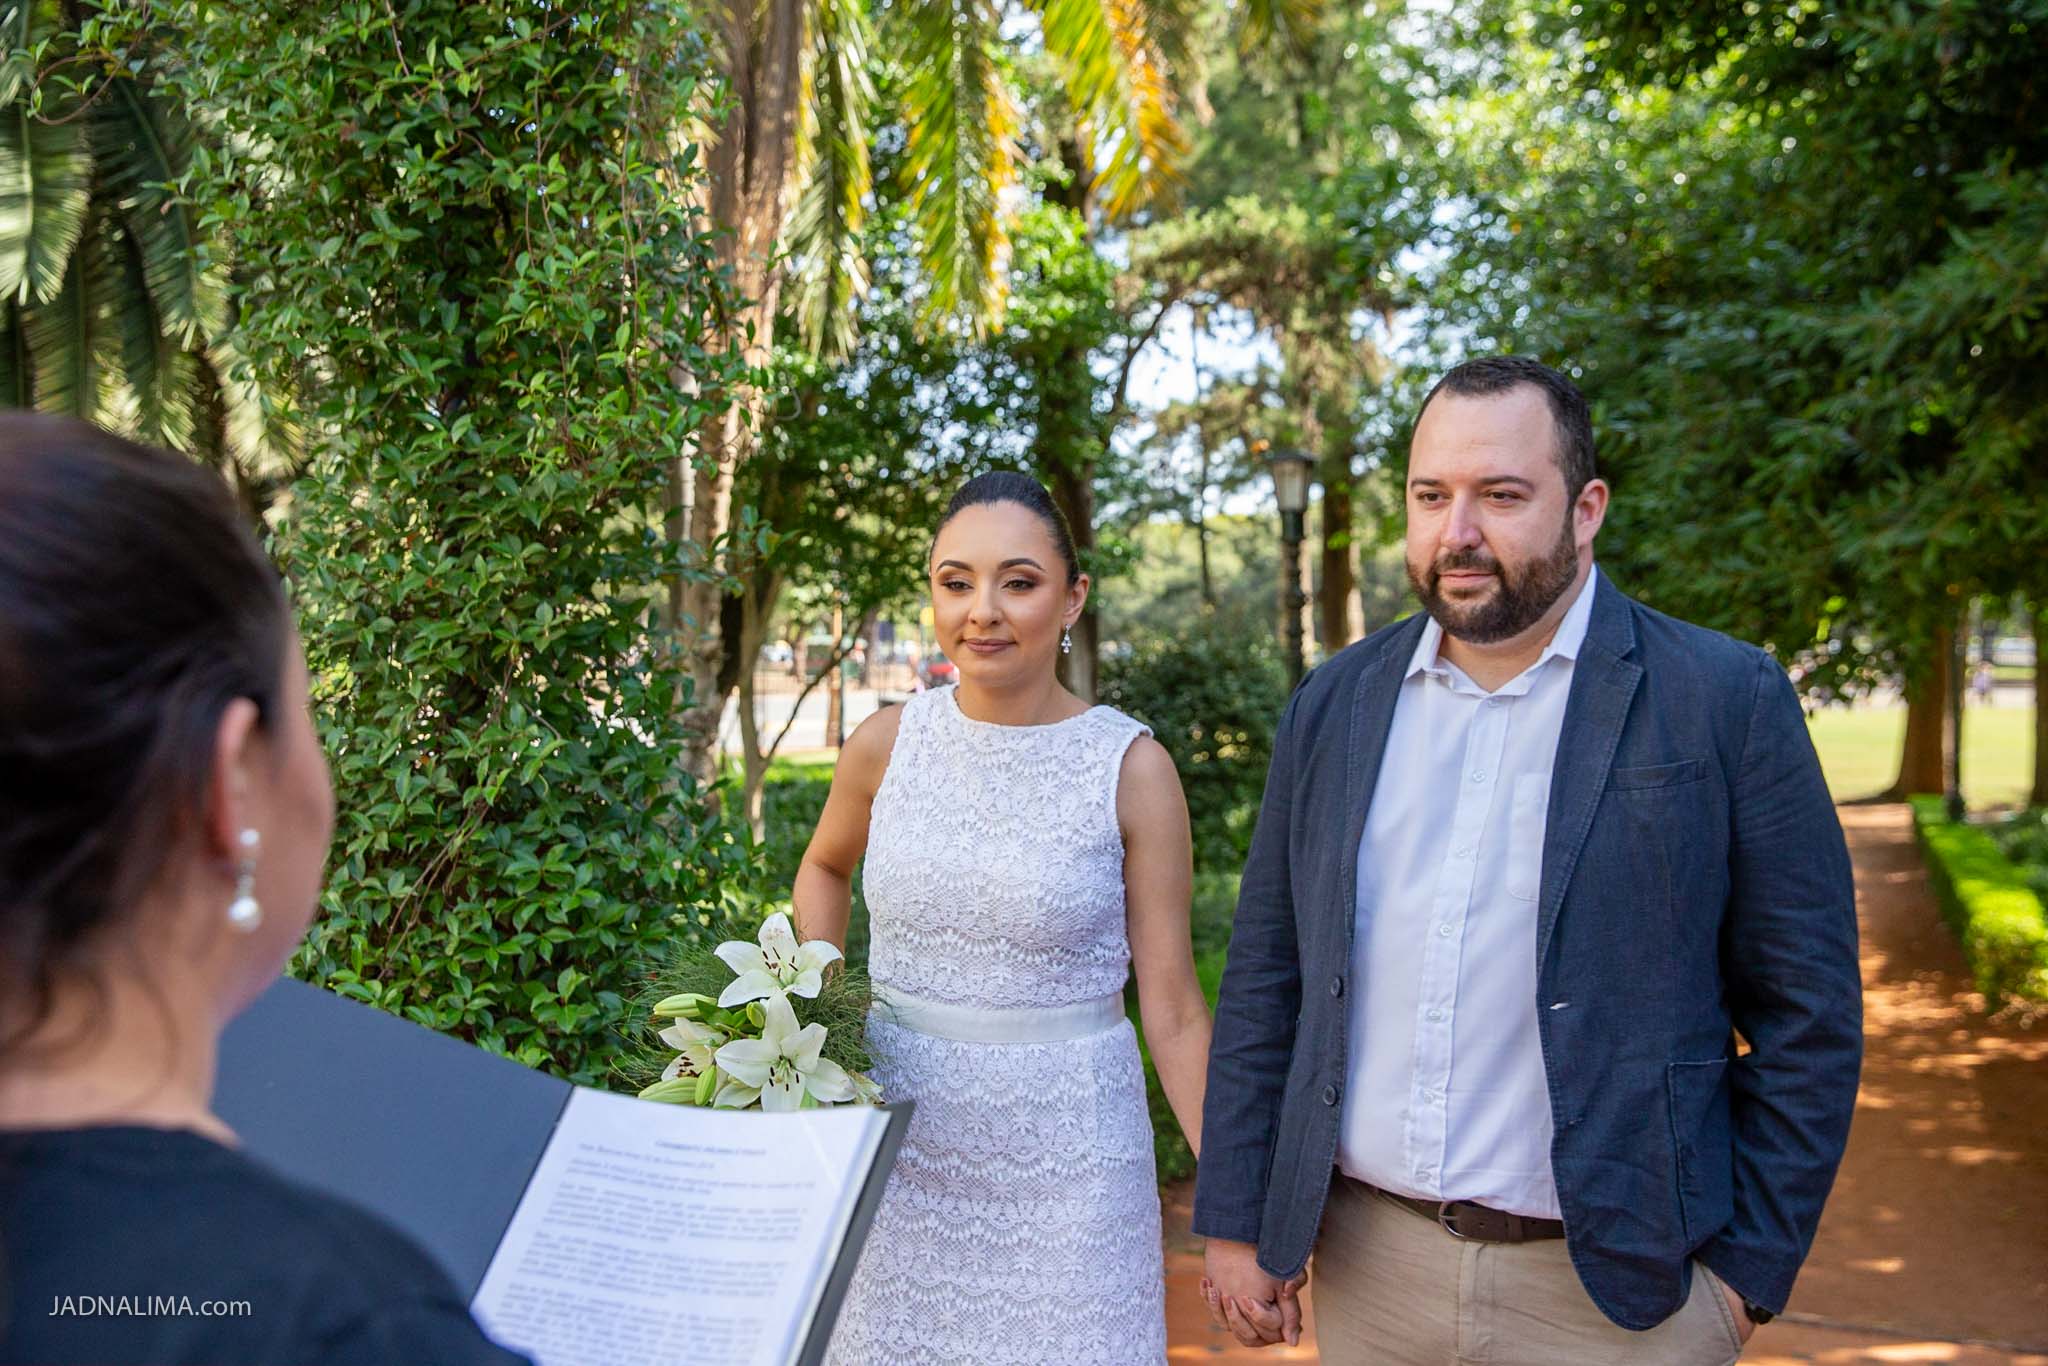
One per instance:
(865, 756)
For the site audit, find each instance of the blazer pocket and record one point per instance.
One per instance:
(1658, 775)
(1703, 1144)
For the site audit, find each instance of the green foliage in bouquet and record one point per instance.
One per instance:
(757, 1024)
(468, 242)
(841, 1005)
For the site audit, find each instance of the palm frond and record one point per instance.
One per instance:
(829, 273)
(45, 189)
(961, 156)
(1113, 66)
(259, 430)
(63, 338)
(156, 370)
(146, 145)
(1289, 25)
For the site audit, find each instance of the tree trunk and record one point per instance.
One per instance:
(757, 605)
(835, 686)
(745, 192)
(1335, 596)
(1921, 761)
(1952, 721)
(1073, 488)
(2038, 628)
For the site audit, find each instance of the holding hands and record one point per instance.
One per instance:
(1257, 1309)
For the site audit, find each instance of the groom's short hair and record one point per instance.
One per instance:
(1490, 375)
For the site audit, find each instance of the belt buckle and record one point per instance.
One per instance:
(1448, 1221)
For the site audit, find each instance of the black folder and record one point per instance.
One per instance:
(435, 1135)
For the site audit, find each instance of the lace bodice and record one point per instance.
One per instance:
(995, 866)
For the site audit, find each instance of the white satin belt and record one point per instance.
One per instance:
(974, 1024)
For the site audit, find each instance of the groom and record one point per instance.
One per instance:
(1542, 1021)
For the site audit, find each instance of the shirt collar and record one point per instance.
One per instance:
(1570, 636)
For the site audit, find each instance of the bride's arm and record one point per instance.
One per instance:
(823, 894)
(1158, 884)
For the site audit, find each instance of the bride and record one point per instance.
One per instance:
(1025, 851)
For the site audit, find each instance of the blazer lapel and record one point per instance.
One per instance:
(1372, 716)
(1604, 681)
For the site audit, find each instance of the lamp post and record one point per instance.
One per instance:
(1291, 471)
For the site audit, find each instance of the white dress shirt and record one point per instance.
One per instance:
(1446, 1097)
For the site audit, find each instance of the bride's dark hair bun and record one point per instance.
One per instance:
(1008, 486)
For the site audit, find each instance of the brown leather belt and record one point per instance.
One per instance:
(1463, 1219)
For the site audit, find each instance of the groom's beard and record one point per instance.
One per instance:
(1519, 597)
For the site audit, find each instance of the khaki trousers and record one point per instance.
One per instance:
(1393, 1289)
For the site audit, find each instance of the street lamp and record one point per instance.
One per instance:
(1291, 471)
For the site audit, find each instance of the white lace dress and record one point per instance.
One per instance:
(1021, 1223)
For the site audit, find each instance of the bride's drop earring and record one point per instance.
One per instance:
(243, 912)
(1066, 640)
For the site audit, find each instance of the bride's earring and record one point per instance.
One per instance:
(243, 912)
(1066, 640)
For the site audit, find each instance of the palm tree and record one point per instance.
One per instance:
(114, 293)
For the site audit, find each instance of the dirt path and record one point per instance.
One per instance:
(1934, 1248)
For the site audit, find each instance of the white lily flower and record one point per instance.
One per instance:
(696, 1047)
(781, 1066)
(775, 965)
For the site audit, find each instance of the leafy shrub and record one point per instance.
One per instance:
(1987, 901)
(1211, 695)
(2024, 839)
(468, 241)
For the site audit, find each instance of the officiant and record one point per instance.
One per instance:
(164, 819)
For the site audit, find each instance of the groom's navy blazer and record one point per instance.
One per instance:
(1695, 888)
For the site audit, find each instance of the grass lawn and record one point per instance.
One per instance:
(1859, 751)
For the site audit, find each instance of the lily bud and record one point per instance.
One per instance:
(686, 1005)
(680, 1091)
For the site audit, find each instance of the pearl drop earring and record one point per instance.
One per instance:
(1066, 640)
(243, 912)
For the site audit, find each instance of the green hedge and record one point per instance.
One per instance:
(1987, 901)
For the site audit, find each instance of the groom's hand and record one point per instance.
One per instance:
(1245, 1302)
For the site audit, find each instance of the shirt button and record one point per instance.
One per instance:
(1336, 986)
(1466, 852)
(1436, 1014)
(1478, 775)
(1443, 931)
(1493, 702)
(1423, 1173)
(1329, 1095)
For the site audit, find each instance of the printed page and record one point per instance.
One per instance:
(666, 1234)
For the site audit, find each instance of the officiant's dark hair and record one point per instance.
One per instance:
(135, 605)
(1008, 486)
(1569, 413)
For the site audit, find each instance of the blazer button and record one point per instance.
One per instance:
(1336, 986)
(1329, 1095)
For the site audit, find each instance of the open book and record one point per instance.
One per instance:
(587, 1228)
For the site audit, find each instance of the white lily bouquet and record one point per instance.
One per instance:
(778, 1036)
